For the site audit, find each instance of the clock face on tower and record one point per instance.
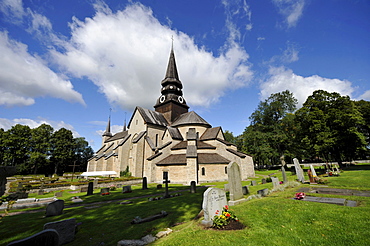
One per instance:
(162, 98)
(181, 100)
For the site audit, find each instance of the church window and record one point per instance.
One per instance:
(156, 140)
(225, 170)
(203, 171)
(137, 122)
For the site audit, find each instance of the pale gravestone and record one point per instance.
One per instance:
(214, 200)
(193, 187)
(126, 189)
(226, 187)
(313, 171)
(298, 170)
(263, 192)
(284, 174)
(95, 183)
(47, 237)
(65, 228)
(55, 208)
(275, 182)
(235, 184)
(253, 183)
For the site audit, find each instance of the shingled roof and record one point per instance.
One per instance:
(210, 133)
(119, 135)
(203, 158)
(190, 118)
(200, 145)
(150, 117)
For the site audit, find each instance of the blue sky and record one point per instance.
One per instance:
(66, 63)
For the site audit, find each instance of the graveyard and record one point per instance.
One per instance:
(263, 204)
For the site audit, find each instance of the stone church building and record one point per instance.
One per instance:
(169, 138)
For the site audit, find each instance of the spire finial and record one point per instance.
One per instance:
(172, 42)
(124, 126)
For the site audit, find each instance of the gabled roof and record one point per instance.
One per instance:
(118, 135)
(190, 118)
(211, 133)
(203, 158)
(200, 145)
(240, 154)
(150, 117)
(175, 133)
(138, 137)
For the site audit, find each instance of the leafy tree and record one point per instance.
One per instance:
(62, 152)
(40, 147)
(83, 152)
(364, 108)
(268, 136)
(330, 126)
(17, 147)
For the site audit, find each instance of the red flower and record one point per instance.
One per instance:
(227, 207)
(217, 211)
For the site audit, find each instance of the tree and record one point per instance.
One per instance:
(17, 147)
(40, 147)
(83, 152)
(62, 152)
(267, 138)
(364, 108)
(330, 126)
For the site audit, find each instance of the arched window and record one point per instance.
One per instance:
(203, 171)
(156, 140)
(225, 170)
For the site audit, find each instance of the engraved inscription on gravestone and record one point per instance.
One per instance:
(214, 200)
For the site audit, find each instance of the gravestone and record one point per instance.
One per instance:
(40, 192)
(235, 184)
(84, 189)
(253, 183)
(65, 228)
(119, 185)
(126, 189)
(263, 192)
(54, 208)
(226, 187)
(90, 189)
(285, 179)
(298, 170)
(59, 194)
(264, 181)
(95, 182)
(310, 177)
(193, 187)
(214, 200)
(245, 190)
(275, 182)
(159, 186)
(313, 172)
(47, 237)
(145, 183)
(104, 191)
(166, 182)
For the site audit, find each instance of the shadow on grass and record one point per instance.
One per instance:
(357, 167)
(109, 223)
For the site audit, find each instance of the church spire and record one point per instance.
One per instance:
(107, 132)
(171, 102)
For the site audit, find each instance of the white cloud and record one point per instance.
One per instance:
(290, 54)
(6, 124)
(13, 10)
(291, 10)
(282, 79)
(34, 79)
(365, 96)
(126, 53)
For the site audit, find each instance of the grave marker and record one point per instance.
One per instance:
(47, 237)
(235, 184)
(65, 228)
(145, 183)
(126, 189)
(275, 182)
(284, 174)
(90, 189)
(263, 192)
(253, 183)
(214, 200)
(245, 190)
(264, 181)
(166, 182)
(54, 208)
(193, 187)
(298, 170)
(104, 191)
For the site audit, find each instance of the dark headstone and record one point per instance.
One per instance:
(104, 190)
(193, 187)
(126, 189)
(90, 189)
(65, 228)
(245, 190)
(40, 192)
(263, 192)
(55, 208)
(159, 186)
(166, 182)
(47, 237)
(145, 183)
(264, 181)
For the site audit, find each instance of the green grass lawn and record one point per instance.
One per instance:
(273, 220)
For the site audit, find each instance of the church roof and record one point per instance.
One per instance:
(203, 158)
(151, 117)
(235, 152)
(117, 136)
(200, 145)
(175, 133)
(211, 133)
(190, 118)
